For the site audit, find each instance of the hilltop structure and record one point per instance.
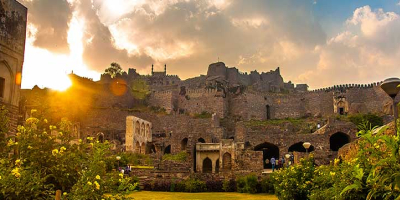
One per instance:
(226, 121)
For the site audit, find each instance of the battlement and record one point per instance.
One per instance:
(342, 88)
(201, 91)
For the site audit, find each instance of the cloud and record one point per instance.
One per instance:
(367, 50)
(51, 19)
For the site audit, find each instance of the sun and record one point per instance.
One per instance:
(62, 84)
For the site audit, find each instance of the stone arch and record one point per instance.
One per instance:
(201, 140)
(298, 147)
(207, 165)
(143, 148)
(137, 147)
(269, 150)
(142, 129)
(341, 107)
(167, 149)
(7, 79)
(184, 143)
(217, 166)
(337, 140)
(137, 129)
(227, 161)
(147, 132)
(150, 148)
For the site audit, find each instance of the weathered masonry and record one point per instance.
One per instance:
(12, 46)
(138, 135)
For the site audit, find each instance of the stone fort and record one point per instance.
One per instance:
(226, 121)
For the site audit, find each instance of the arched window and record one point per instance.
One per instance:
(143, 148)
(337, 140)
(184, 144)
(167, 149)
(207, 165)
(217, 166)
(201, 140)
(137, 147)
(227, 161)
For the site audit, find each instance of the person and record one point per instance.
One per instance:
(283, 161)
(277, 163)
(273, 164)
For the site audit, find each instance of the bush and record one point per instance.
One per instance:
(372, 119)
(247, 184)
(195, 185)
(229, 185)
(203, 115)
(180, 157)
(267, 185)
(214, 186)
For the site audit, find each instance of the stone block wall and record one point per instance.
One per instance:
(197, 101)
(163, 99)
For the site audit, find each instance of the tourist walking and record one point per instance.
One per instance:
(273, 164)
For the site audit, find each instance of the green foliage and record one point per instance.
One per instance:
(114, 69)
(203, 115)
(374, 173)
(140, 89)
(158, 109)
(247, 184)
(180, 157)
(195, 185)
(295, 182)
(46, 160)
(267, 185)
(229, 185)
(372, 119)
(4, 123)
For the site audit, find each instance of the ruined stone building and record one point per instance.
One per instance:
(226, 121)
(12, 46)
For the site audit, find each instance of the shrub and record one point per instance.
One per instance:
(229, 185)
(195, 185)
(214, 186)
(247, 184)
(180, 157)
(372, 119)
(203, 115)
(267, 185)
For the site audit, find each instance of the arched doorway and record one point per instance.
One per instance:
(201, 140)
(184, 144)
(217, 166)
(207, 165)
(143, 148)
(150, 148)
(269, 150)
(337, 140)
(341, 107)
(298, 147)
(137, 147)
(227, 161)
(167, 149)
(268, 111)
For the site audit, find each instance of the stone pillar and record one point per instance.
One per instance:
(129, 134)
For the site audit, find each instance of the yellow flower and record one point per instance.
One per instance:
(15, 172)
(18, 162)
(91, 144)
(33, 111)
(63, 148)
(336, 162)
(89, 183)
(0, 177)
(29, 147)
(60, 133)
(121, 175)
(64, 193)
(89, 138)
(45, 121)
(18, 134)
(97, 185)
(119, 180)
(97, 177)
(332, 173)
(10, 142)
(80, 140)
(54, 152)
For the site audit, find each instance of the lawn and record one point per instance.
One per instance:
(147, 195)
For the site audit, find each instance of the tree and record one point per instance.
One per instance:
(114, 69)
(140, 89)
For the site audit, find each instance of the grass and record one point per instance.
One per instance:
(147, 195)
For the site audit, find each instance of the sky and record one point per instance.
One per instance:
(318, 42)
